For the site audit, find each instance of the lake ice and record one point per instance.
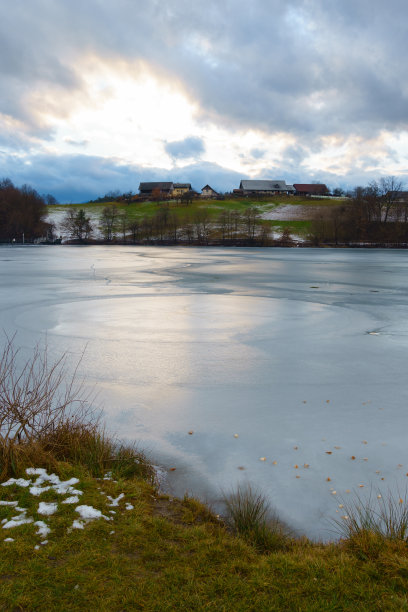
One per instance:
(300, 352)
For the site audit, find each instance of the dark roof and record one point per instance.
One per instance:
(263, 185)
(311, 187)
(208, 187)
(166, 186)
(182, 185)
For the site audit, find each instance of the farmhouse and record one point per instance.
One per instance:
(208, 192)
(312, 189)
(180, 188)
(160, 188)
(265, 187)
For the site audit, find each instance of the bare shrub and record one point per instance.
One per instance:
(47, 415)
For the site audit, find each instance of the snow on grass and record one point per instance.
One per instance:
(20, 482)
(115, 502)
(43, 529)
(51, 482)
(47, 508)
(71, 500)
(89, 513)
(17, 521)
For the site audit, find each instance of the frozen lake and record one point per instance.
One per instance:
(301, 352)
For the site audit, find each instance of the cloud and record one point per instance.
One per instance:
(302, 66)
(309, 70)
(79, 178)
(76, 143)
(190, 147)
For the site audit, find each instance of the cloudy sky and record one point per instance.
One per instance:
(97, 95)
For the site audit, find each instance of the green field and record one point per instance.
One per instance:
(185, 213)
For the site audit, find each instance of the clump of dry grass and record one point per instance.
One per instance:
(369, 524)
(47, 415)
(250, 515)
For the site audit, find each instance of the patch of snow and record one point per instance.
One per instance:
(129, 507)
(8, 539)
(43, 529)
(17, 521)
(34, 490)
(20, 482)
(88, 513)
(115, 502)
(77, 524)
(44, 542)
(8, 503)
(36, 547)
(47, 508)
(71, 500)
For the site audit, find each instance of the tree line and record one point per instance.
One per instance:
(376, 214)
(22, 213)
(167, 226)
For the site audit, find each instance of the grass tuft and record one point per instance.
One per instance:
(368, 525)
(250, 515)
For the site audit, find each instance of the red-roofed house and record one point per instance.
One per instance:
(312, 189)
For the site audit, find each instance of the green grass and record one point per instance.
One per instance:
(170, 554)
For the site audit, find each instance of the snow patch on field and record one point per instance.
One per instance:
(47, 482)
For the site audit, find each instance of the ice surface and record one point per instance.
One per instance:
(301, 352)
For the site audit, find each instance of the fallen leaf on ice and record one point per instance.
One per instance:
(295, 447)
(190, 433)
(361, 486)
(352, 457)
(235, 435)
(328, 479)
(274, 463)
(364, 442)
(262, 458)
(296, 466)
(328, 452)
(306, 465)
(172, 469)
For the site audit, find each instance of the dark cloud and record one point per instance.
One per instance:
(308, 68)
(190, 147)
(78, 178)
(303, 66)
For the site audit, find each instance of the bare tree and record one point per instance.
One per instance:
(77, 225)
(109, 222)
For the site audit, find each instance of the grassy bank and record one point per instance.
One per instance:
(186, 214)
(85, 526)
